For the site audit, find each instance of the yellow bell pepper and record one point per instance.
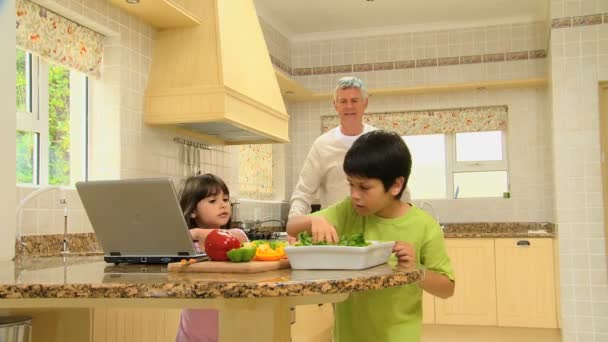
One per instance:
(264, 252)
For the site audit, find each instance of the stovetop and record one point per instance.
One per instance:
(256, 234)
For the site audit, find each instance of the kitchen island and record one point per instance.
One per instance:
(253, 307)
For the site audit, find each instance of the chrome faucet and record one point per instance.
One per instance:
(431, 210)
(34, 194)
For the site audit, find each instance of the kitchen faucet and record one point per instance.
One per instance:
(424, 204)
(34, 194)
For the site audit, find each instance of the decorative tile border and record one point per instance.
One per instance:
(583, 20)
(410, 64)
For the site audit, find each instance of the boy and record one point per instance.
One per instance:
(378, 166)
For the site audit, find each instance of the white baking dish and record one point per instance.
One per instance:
(338, 257)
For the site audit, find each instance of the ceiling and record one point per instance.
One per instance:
(313, 19)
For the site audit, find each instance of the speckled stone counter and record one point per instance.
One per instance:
(259, 302)
(91, 277)
(87, 244)
(52, 244)
(500, 230)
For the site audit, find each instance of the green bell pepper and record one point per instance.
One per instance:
(243, 254)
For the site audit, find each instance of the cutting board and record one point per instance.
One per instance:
(229, 267)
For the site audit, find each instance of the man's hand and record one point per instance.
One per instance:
(321, 230)
(406, 254)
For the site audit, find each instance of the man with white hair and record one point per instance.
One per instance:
(322, 172)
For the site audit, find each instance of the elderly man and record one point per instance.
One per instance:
(322, 171)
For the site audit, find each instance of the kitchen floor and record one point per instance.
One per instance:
(449, 333)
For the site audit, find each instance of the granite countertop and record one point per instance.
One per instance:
(499, 230)
(90, 277)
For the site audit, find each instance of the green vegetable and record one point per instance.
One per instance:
(242, 254)
(355, 240)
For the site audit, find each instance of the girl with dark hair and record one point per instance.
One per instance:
(205, 202)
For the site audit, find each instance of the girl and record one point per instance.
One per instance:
(205, 202)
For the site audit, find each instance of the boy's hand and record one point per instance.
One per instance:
(321, 230)
(405, 252)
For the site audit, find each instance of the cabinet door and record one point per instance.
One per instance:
(525, 283)
(474, 300)
(313, 323)
(428, 308)
(128, 325)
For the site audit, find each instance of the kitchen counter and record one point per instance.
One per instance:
(262, 300)
(50, 244)
(493, 230)
(91, 277)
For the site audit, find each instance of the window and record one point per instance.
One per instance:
(51, 122)
(460, 165)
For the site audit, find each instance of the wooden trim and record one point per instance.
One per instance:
(425, 89)
(161, 14)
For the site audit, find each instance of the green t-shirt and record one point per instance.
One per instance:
(392, 314)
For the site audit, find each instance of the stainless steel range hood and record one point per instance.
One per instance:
(215, 80)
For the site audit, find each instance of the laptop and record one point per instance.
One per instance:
(137, 220)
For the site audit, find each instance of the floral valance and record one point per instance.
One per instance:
(58, 39)
(255, 171)
(456, 120)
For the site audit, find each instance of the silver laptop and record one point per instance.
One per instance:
(137, 220)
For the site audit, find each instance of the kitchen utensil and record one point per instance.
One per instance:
(228, 266)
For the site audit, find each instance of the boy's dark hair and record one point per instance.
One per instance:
(381, 155)
(197, 188)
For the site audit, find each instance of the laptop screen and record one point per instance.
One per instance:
(138, 217)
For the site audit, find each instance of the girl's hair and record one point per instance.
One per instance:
(197, 188)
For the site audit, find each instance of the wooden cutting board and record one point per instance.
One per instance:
(229, 267)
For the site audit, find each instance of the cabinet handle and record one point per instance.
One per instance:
(523, 243)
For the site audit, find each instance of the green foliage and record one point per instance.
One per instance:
(21, 81)
(59, 125)
(25, 160)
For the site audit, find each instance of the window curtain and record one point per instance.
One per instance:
(255, 171)
(441, 121)
(58, 39)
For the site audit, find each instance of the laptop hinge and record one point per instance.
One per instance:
(183, 253)
(114, 253)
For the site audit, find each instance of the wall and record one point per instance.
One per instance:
(498, 52)
(522, 47)
(529, 150)
(7, 128)
(579, 60)
(121, 145)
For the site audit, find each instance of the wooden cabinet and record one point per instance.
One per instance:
(474, 300)
(428, 308)
(313, 323)
(525, 283)
(126, 325)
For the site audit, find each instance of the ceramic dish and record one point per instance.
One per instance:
(338, 257)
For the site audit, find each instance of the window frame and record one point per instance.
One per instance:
(453, 166)
(36, 120)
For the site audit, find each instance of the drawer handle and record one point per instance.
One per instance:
(523, 243)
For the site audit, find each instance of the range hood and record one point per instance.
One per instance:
(214, 81)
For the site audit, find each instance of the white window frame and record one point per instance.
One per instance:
(453, 166)
(37, 121)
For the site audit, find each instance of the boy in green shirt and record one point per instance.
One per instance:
(378, 166)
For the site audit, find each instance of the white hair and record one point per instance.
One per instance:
(351, 82)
